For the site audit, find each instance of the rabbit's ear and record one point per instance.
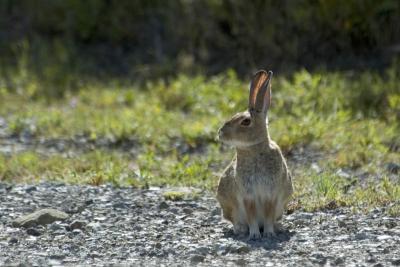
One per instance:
(260, 92)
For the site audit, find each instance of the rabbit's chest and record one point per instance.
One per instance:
(255, 184)
(258, 178)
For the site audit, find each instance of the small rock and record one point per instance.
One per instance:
(55, 226)
(163, 205)
(120, 205)
(137, 228)
(319, 258)
(89, 202)
(94, 225)
(40, 217)
(202, 250)
(341, 223)
(342, 174)
(77, 225)
(30, 189)
(396, 262)
(187, 211)
(216, 212)
(361, 236)
(197, 258)
(384, 237)
(316, 168)
(304, 215)
(77, 231)
(243, 249)
(241, 262)
(12, 240)
(95, 255)
(338, 261)
(57, 256)
(393, 167)
(33, 232)
(371, 259)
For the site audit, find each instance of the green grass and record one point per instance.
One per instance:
(353, 120)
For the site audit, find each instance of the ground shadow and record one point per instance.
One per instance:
(271, 243)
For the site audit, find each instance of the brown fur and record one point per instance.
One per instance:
(269, 209)
(250, 206)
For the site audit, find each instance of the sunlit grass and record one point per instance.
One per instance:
(328, 191)
(353, 121)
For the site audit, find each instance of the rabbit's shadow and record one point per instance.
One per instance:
(268, 243)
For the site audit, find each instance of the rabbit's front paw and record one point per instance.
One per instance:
(239, 229)
(269, 234)
(269, 230)
(254, 233)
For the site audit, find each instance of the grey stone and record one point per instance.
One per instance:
(384, 237)
(187, 211)
(94, 225)
(202, 250)
(343, 174)
(77, 231)
(40, 217)
(77, 225)
(13, 240)
(361, 236)
(163, 205)
(303, 215)
(197, 258)
(57, 226)
(216, 212)
(341, 223)
(339, 261)
(393, 167)
(243, 249)
(33, 232)
(396, 262)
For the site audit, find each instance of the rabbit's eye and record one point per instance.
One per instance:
(245, 122)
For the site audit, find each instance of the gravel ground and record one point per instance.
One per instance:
(125, 226)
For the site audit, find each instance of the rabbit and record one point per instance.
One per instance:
(256, 186)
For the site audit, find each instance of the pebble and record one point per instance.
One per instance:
(197, 258)
(396, 262)
(361, 236)
(33, 232)
(393, 167)
(163, 205)
(40, 217)
(77, 225)
(384, 237)
(12, 240)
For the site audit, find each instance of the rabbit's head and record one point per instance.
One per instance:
(249, 128)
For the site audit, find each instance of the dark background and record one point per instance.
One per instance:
(142, 39)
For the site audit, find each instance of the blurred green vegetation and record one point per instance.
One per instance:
(63, 43)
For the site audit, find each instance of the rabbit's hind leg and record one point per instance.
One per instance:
(269, 218)
(239, 220)
(231, 212)
(251, 216)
